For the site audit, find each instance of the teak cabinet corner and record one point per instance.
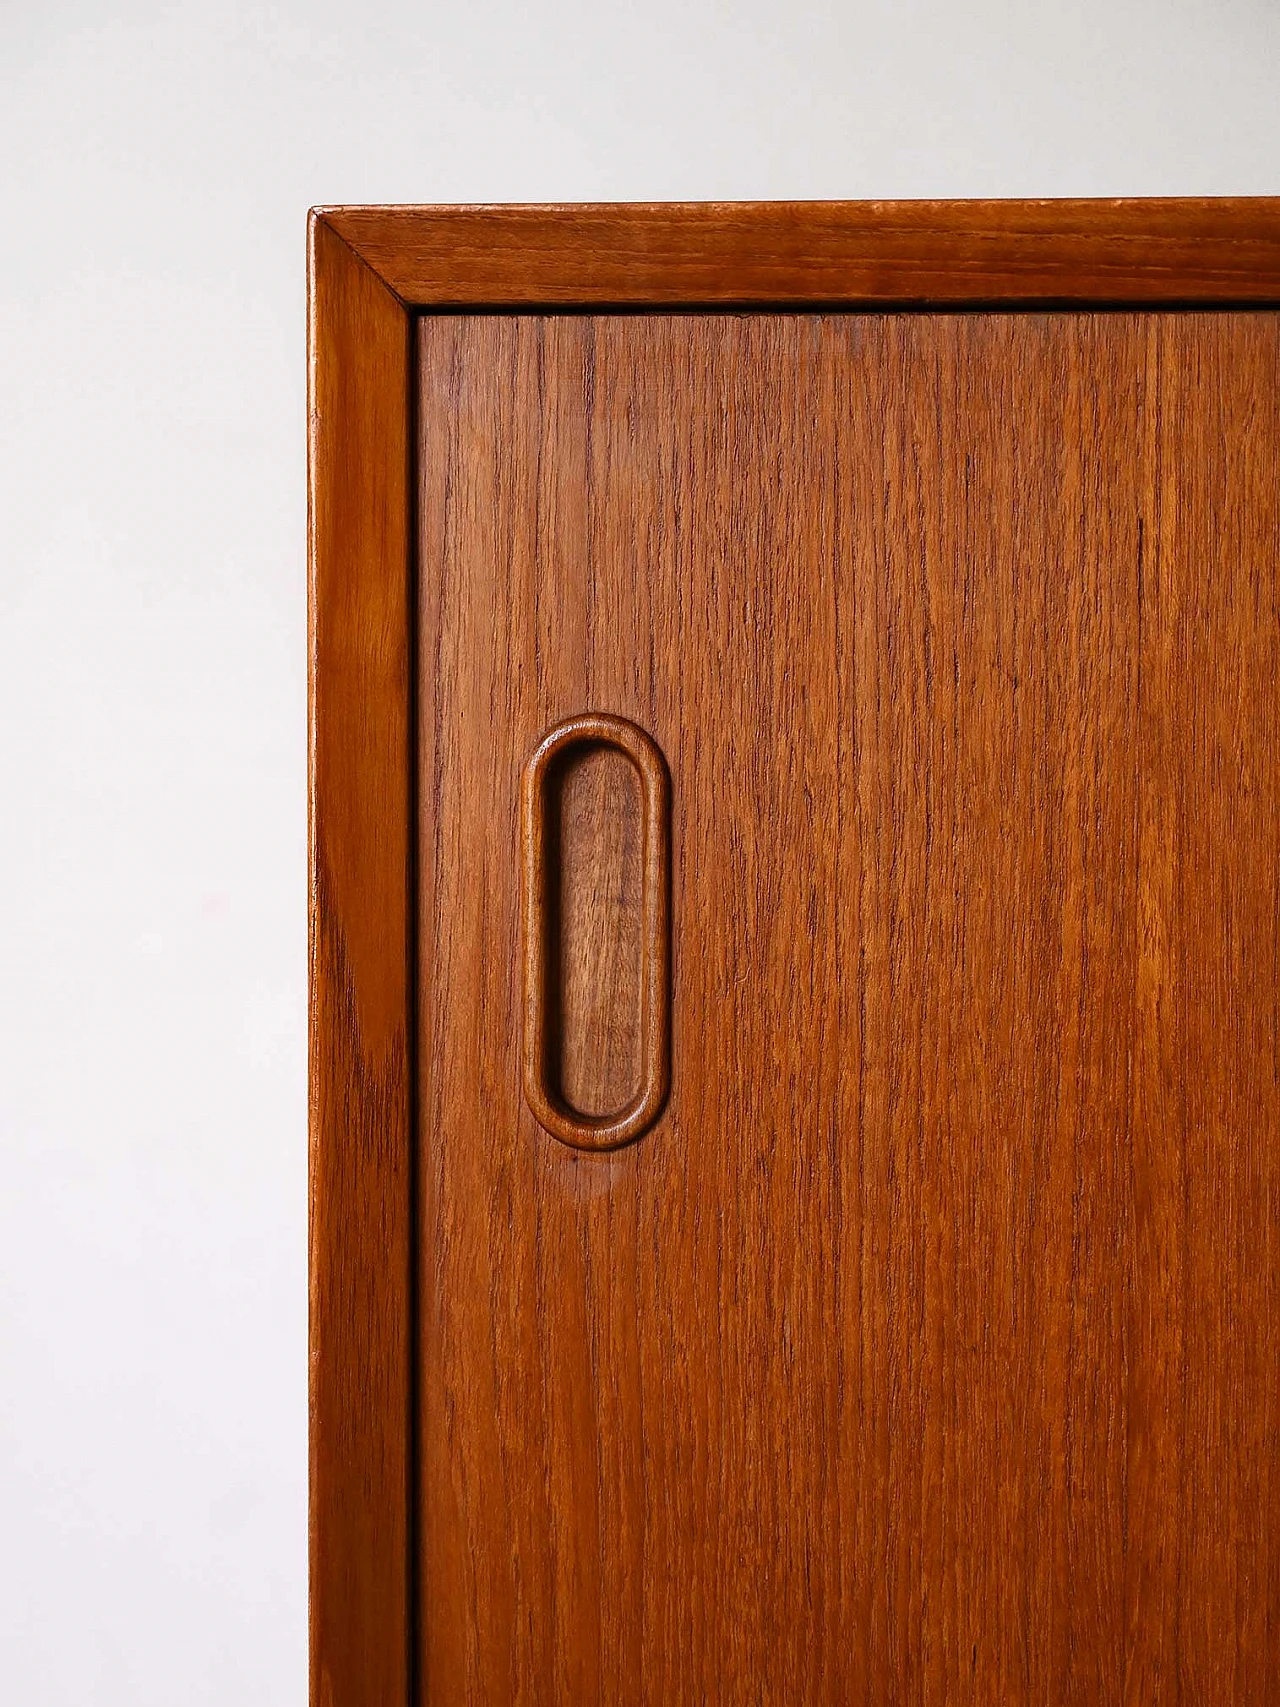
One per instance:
(795, 955)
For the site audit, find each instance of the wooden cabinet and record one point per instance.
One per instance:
(796, 955)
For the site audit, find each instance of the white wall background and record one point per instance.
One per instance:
(158, 160)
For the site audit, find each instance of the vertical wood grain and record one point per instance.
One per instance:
(597, 856)
(361, 824)
(1203, 1578)
(927, 1349)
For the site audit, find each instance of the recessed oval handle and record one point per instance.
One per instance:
(573, 1126)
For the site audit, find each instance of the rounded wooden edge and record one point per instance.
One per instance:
(604, 1132)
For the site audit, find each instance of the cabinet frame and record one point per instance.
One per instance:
(371, 272)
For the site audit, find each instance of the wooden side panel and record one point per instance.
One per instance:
(1178, 249)
(927, 1349)
(361, 822)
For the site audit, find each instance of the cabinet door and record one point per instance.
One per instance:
(925, 1346)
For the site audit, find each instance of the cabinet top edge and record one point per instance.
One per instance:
(1126, 250)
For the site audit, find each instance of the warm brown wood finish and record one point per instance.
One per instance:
(927, 1348)
(1179, 250)
(596, 932)
(361, 795)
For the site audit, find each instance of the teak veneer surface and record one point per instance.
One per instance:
(927, 1349)
(932, 1326)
